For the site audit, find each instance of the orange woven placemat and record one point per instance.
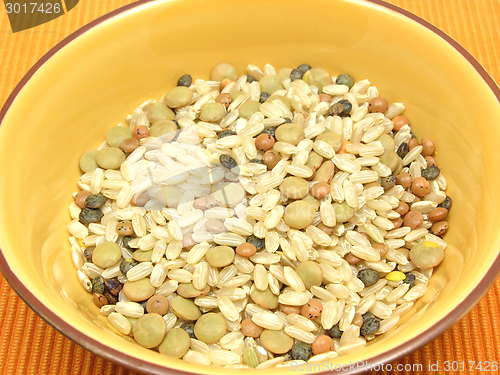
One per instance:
(28, 345)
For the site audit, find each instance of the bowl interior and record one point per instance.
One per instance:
(93, 82)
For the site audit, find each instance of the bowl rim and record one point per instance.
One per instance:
(138, 365)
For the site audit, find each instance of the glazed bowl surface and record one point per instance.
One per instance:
(90, 81)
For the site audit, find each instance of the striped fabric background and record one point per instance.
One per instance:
(29, 346)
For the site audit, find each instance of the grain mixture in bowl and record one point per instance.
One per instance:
(255, 220)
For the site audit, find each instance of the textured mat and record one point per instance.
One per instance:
(29, 346)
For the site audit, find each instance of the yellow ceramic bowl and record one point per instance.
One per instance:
(90, 81)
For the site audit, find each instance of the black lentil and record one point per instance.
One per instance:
(259, 243)
(257, 161)
(287, 120)
(143, 304)
(335, 110)
(250, 78)
(368, 276)
(263, 97)
(430, 173)
(446, 203)
(113, 285)
(335, 332)
(388, 182)
(410, 279)
(125, 242)
(367, 315)
(296, 74)
(90, 215)
(227, 161)
(370, 326)
(402, 150)
(189, 328)
(185, 80)
(112, 300)
(95, 200)
(98, 285)
(288, 356)
(127, 264)
(87, 253)
(345, 79)
(271, 130)
(304, 67)
(347, 107)
(301, 351)
(226, 133)
(413, 134)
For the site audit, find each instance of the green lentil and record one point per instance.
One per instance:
(125, 242)
(212, 112)
(95, 200)
(294, 187)
(270, 84)
(387, 142)
(110, 158)
(162, 127)
(343, 212)
(170, 196)
(317, 77)
(277, 342)
(368, 276)
(139, 290)
(223, 71)
(264, 298)
(150, 330)
(390, 159)
(290, 133)
(310, 273)
(88, 161)
(178, 97)
(189, 291)
(106, 254)
(299, 214)
(159, 111)
(284, 73)
(220, 256)
(117, 135)
(210, 328)
(333, 139)
(175, 344)
(251, 78)
(249, 108)
(185, 308)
